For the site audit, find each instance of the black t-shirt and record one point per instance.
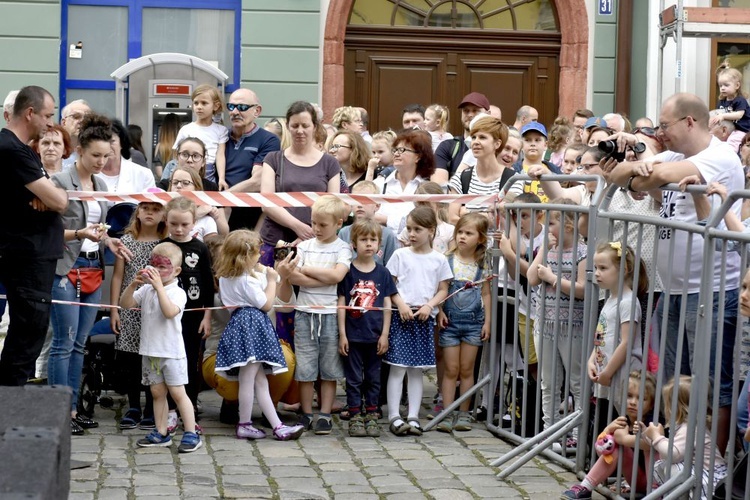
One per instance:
(196, 277)
(449, 154)
(24, 231)
(368, 290)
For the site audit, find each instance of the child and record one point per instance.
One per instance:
(388, 242)
(732, 102)
(249, 341)
(608, 360)
(571, 158)
(147, 227)
(534, 145)
(465, 318)
(654, 436)
(560, 135)
(324, 261)
(197, 280)
(562, 270)
(422, 275)
(623, 431)
(207, 102)
(435, 120)
(381, 163)
(444, 231)
(210, 221)
(162, 303)
(363, 334)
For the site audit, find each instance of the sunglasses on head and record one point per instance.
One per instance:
(242, 107)
(647, 131)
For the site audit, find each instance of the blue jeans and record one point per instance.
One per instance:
(71, 326)
(686, 358)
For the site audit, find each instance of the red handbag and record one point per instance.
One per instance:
(86, 279)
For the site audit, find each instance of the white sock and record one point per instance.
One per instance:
(263, 395)
(415, 388)
(395, 381)
(247, 390)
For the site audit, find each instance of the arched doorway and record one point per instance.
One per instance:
(543, 68)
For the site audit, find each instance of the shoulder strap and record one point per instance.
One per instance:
(450, 260)
(478, 274)
(466, 180)
(456, 147)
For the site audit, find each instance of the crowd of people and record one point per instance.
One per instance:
(373, 294)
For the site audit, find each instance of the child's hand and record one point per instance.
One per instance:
(205, 328)
(747, 435)
(653, 431)
(546, 274)
(593, 372)
(286, 267)
(552, 240)
(442, 320)
(717, 188)
(405, 312)
(689, 180)
(150, 276)
(620, 423)
(271, 274)
(114, 321)
(536, 171)
(604, 379)
(504, 244)
(486, 332)
(382, 345)
(372, 165)
(223, 186)
(343, 344)
(423, 313)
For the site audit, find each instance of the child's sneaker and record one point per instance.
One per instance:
(305, 421)
(577, 491)
(247, 431)
(372, 428)
(190, 442)
(154, 439)
(288, 433)
(356, 426)
(463, 422)
(172, 422)
(198, 430)
(147, 424)
(323, 425)
(446, 425)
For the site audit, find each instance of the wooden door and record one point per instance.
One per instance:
(388, 68)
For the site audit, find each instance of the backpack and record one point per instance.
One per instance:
(466, 179)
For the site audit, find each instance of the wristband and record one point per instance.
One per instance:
(629, 185)
(76, 235)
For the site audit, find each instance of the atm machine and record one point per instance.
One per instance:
(150, 88)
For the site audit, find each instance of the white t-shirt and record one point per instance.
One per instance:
(94, 217)
(161, 337)
(418, 275)
(442, 240)
(607, 338)
(396, 211)
(133, 178)
(438, 137)
(313, 253)
(203, 226)
(717, 163)
(212, 136)
(244, 290)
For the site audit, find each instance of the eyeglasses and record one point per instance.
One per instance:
(664, 126)
(647, 131)
(336, 147)
(587, 167)
(75, 116)
(179, 183)
(241, 107)
(185, 156)
(401, 150)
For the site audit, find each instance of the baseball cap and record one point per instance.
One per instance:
(477, 99)
(595, 121)
(536, 127)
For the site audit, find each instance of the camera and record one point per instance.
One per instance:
(280, 253)
(609, 148)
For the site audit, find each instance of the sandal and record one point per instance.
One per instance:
(344, 414)
(399, 430)
(624, 488)
(414, 428)
(131, 419)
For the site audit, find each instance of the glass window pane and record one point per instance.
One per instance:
(184, 31)
(101, 101)
(103, 33)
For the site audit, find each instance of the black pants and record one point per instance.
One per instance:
(29, 290)
(129, 374)
(362, 372)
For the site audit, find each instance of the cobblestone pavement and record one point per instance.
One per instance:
(436, 465)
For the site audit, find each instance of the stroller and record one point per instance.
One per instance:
(98, 369)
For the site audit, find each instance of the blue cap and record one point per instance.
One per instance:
(595, 121)
(536, 127)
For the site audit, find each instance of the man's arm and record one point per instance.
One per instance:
(651, 176)
(53, 197)
(251, 185)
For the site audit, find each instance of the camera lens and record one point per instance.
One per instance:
(608, 147)
(639, 148)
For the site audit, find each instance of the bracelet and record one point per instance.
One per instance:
(76, 235)
(629, 185)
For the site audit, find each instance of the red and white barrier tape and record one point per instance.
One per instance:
(267, 200)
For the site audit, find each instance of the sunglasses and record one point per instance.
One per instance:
(647, 131)
(241, 107)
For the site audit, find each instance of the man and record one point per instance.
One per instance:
(615, 122)
(579, 121)
(365, 117)
(71, 118)
(725, 131)
(248, 145)
(692, 150)
(644, 122)
(8, 105)
(31, 233)
(449, 153)
(412, 116)
(526, 114)
(495, 112)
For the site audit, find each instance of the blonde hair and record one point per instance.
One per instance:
(134, 226)
(482, 225)
(726, 69)
(385, 135)
(559, 133)
(365, 227)
(345, 114)
(648, 383)
(442, 114)
(366, 187)
(614, 250)
(430, 187)
(683, 399)
(194, 176)
(170, 251)
(330, 205)
(181, 204)
(282, 132)
(239, 254)
(213, 94)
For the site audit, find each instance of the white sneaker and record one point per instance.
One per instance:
(172, 422)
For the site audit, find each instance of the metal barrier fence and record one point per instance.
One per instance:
(695, 295)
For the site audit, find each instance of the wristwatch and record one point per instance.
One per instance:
(629, 185)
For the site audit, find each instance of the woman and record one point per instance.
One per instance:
(137, 153)
(84, 243)
(53, 147)
(414, 163)
(164, 153)
(511, 150)
(488, 138)
(352, 153)
(120, 174)
(209, 221)
(347, 118)
(191, 153)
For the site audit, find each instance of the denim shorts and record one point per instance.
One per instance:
(463, 327)
(316, 346)
(170, 371)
